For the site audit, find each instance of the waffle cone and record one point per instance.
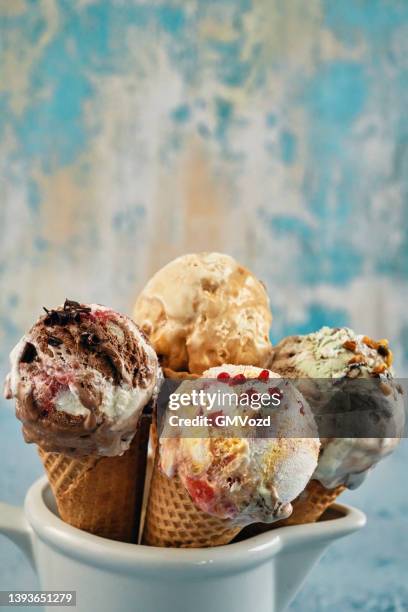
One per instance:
(101, 495)
(310, 505)
(173, 520)
(150, 462)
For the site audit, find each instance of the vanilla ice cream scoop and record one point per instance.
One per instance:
(81, 377)
(243, 478)
(362, 387)
(205, 309)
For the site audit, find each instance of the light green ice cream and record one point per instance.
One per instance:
(340, 353)
(330, 353)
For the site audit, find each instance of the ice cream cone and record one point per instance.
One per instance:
(152, 448)
(311, 504)
(193, 503)
(170, 516)
(173, 520)
(101, 495)
(149, 468)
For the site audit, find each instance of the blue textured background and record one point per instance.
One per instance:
(276, 131)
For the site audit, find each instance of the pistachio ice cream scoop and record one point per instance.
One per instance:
(361, 388)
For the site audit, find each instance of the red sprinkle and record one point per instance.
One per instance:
(223, 376)
(200, 491)
(264, 375)
(239, 379)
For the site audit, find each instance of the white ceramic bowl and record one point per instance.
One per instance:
(260, 573)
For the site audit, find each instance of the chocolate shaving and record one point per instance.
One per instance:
(29, 353)
(71, 313)
(76, 306)
(57, 317)
(90, 340)
(54, 341)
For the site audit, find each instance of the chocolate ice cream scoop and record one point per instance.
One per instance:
(81, 377)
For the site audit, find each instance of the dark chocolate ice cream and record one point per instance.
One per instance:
(81, 377)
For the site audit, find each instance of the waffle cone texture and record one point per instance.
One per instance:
(101, 495)
(173, 520)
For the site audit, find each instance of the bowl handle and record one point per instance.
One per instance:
(14, 526)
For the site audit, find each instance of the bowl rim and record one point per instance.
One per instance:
(101, 552)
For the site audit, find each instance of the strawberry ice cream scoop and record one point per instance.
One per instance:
(81, 377)
(242, 477)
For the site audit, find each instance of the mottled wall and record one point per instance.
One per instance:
(276, 131)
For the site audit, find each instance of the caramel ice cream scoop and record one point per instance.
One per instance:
(203, 310)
